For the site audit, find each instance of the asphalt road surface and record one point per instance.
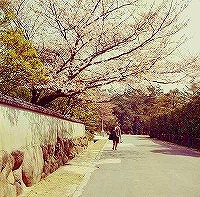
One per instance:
(142, 167)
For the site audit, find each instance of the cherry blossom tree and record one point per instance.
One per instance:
(88, 44)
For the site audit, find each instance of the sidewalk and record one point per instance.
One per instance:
(68, 180)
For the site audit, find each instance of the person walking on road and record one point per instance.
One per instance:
(116, 136)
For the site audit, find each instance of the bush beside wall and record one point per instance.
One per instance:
(181, 126)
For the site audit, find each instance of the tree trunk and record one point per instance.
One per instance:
(35, 95)
(51, 97)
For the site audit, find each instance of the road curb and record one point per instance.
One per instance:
(88, 174)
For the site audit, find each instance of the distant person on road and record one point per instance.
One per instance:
(116, 136)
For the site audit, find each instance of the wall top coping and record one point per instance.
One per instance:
(18, 103)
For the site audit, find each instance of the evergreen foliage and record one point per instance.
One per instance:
(19, 63)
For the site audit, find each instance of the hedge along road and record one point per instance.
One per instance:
(142, 167)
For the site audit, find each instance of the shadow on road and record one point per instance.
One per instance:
(121, 154)
(173, 149)
(145, 137)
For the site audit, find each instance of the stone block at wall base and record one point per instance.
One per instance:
(28, 168)
(7, 164)
(19, 188)
(6, 189)
(24, 168)
(18, 158)
(32, 166)
(11, 178)
(3, 159)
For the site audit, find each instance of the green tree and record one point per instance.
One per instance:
(146, 105)
(129, 106)
(83, 108)
(19, 63)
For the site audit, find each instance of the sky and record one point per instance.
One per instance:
(193, 29)
(190, 48)
(192, 32)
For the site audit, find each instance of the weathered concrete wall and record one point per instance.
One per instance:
(34, 142)
(21, 128)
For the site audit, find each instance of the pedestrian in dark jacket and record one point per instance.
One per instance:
(116, 136)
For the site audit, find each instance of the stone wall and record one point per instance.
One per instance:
(34, 142)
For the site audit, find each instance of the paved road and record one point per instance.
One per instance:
(142, 167)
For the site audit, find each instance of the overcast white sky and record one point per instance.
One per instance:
(193, 29)
(191, 48)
